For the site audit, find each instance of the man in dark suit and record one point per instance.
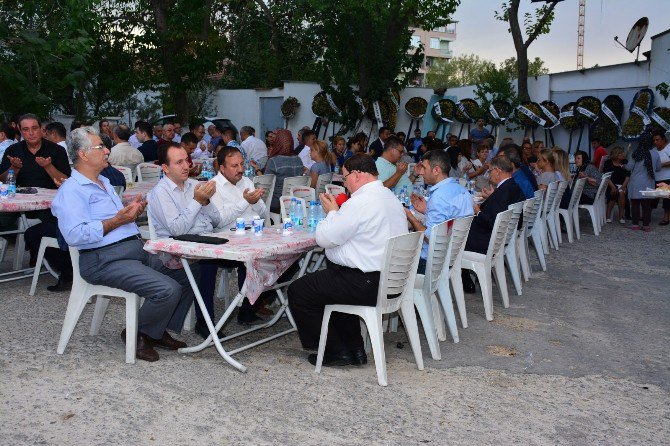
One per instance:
(377, 147)
(507, 192)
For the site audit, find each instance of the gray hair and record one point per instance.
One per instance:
(78, 140)
(503, 164)
(248, 130)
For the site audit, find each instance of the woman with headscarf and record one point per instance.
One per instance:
(642, 163)
(282, 163)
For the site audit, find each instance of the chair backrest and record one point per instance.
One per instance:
(74, 257)
(576, 193)
(304, 192)
(438, 249)
(148, 172)
(290, 182)
(285, 201)
(533, 216)
(459, 234)
(335, 190)
(126, 171)
(266, 182)
(549, 196)
(324, 178)
(562, 186)
(401, 258)
(528, 216)
(602, 186)
(499, 233)
(602, 162)
(517, 211)
(119, 191)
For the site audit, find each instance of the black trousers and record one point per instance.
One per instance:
(58, 259)
(337, 284)
(645, 215)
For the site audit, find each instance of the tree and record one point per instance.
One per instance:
(367, 44)
(535, 68)
(494, 85)
(535, 24)
(457, 72)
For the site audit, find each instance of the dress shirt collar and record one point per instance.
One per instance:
(442, 183)
(174, 185)
(223, 180)
(501, 182)
(81, 179)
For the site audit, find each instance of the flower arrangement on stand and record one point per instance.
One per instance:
(607, 127)
(289, 108)
(638, 119)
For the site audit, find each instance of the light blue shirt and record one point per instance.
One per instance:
(81, 206)
(174, 211)
(448, 199)
(387, 169)
(3, 146)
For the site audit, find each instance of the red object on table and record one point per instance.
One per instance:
(340, 199)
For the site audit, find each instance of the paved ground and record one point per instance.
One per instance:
(580, 358)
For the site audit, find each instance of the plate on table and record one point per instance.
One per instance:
(658, 193)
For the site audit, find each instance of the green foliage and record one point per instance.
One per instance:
(663, 89)
(535, 24)
(456, 72)
(535, 68)
(367, 45)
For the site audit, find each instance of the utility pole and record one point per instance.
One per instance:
(580, 35)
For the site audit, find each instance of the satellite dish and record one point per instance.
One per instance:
(635, 36)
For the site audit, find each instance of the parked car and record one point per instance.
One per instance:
(221, 123)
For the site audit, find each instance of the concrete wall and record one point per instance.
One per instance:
(242, 107)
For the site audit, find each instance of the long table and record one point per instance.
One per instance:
(266, 258)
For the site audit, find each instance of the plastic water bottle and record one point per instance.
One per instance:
(3, 191)
(312, 217)
(336, 168)
(320, 212)
(11, 184)
(407, 197)
(298, 216)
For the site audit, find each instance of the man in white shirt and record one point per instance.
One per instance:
(308, 138)
(663, 176)
(133, 141)
(237, 197)
(177, 132)
(55, 132)
(6, 138)
(354, 237)
(179, 205)
(203, 149)
(255, 148)
(123, 153)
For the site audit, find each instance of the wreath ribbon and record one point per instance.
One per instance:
(588, 113)
(495, 114)
(463, 110)
(549, 115)
(660, 121)
(438, 111)
(638, 111)
(610, 114)
(335, 108)
(378, 114)
(533, 117)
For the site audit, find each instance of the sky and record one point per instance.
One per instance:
(478, 32)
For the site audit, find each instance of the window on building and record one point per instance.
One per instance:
(429, 61)
(434, 43)
(415, 42)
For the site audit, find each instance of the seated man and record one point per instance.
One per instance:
(179, 205)
(123, 153)
(149, 147)
(354, 237)
(392, 171)
(448, 199)
(520, 177)
(236, 197)
(189, 142)
(92, 218)
(506, 192)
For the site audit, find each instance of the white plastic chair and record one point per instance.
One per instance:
(148, 172)
(511, 255)
(549, 195)
(335, 190)
(570, 213)
(596, 211)
(426, 285)
(552, 215)
(532, 224)
(305, 192)
(81, 292)
(457, 238)
(401, 257)
(324, 178)
(482, 264)
(290, 182)
(266, 182)
(46, 242)
(126, 171)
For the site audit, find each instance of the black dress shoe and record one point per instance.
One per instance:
(167, 342)
(203, 331)
(359, 356)
(330, 360)
(144, 348)
(63, 284)
(246, 316)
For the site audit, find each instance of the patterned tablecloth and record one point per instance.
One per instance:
(266, 256)
(141, 188)
(29, 202)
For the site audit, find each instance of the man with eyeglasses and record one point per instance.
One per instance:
(354, 237)
(92, 219)
(392, 171)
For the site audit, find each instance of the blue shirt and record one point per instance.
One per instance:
(345, 156)
(524, 184)
(448, 199)
(114, 176)
(80, 207)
